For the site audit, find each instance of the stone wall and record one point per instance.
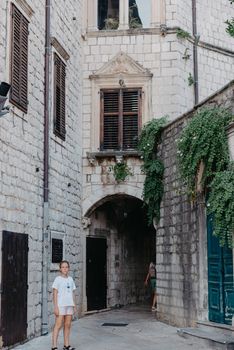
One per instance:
(21, 150)
(180, 237)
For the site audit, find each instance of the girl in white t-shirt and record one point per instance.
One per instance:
(64, 305)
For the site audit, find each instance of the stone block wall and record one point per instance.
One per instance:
(21, 150)
(182, 293)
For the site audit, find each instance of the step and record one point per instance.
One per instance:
(211, 339)
(216, 327)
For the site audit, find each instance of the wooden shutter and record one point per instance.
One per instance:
(59, 97)
(19, 60)
(110, 120)
(120, 118)
(131, 118)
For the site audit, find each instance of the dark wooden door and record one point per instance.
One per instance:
(96, 281)
(220, 279)
(14, 287)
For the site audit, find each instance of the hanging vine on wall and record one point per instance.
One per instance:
(121, 171)
(204, 141)
(152, 167)
(221, 204)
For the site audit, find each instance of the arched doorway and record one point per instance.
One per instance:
(119, 246)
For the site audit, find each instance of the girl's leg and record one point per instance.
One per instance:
(66, 329)
(57, 327)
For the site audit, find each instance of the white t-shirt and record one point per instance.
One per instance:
(65, 287)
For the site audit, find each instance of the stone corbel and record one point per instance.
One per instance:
(86, 222)
(92, 159)
(119, 159)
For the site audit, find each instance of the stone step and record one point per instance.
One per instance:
(211, 339)
(216, 327)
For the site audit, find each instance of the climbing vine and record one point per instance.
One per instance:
(152, 167)
(121, 171)
(204, 141)
(230, 24)
(221, 204)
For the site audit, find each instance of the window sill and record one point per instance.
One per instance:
(126, 32)
(118, 155)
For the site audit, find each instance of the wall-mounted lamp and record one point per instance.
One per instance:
(4, 89)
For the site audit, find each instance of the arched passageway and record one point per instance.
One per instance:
(119, 246)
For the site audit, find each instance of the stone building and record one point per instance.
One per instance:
(137, 67)
(82, 85)
(29, 221)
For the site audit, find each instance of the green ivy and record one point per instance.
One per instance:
(121, 171)
(182, 34)
(152, 167)
(221, 204)
(204, 140)
(230, 27)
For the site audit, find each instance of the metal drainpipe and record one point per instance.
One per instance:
(46, 230)
(195, 58)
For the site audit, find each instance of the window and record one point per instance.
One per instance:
(108, 14)
(59, 97)
(19, 60)
(120, 118)
(139, 13)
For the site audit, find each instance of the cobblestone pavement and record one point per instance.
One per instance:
(143, 332)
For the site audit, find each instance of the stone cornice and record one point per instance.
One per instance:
(60, 49)
(25, 7)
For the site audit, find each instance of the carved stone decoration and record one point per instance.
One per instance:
(86, 222)
(121, 64)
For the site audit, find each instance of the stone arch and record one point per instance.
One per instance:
(100, 196)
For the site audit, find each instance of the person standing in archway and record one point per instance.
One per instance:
(151, 275)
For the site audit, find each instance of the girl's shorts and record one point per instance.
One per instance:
(153, 283)
(66, 310)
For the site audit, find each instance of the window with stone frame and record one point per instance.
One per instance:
(120, 119)
(108, 14)
(19, 59)
(59, 97)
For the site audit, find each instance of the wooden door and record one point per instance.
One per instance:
(220, 279)
(96, 278)
(14, 287)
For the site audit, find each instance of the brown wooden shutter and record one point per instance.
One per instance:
(19, 60)
(59, 97)
(110, 120)
(131, 118)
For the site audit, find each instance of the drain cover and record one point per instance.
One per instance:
(114, 324)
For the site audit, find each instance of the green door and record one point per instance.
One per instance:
(220, 279)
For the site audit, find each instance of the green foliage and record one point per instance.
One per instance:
(204, 140)
(230, 27)
(121, 171)
(152, 167)
(221, 204)
(190, 79)
(230, 23)
(111, 23)
(182, 34)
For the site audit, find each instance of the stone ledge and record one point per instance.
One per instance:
(118, 155)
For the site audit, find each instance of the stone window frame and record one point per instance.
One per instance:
(56, 235)
(113, 82)
(158, 15)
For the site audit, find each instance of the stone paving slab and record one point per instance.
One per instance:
(143, 332)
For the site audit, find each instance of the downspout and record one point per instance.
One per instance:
(46, 230)
(195, 58)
